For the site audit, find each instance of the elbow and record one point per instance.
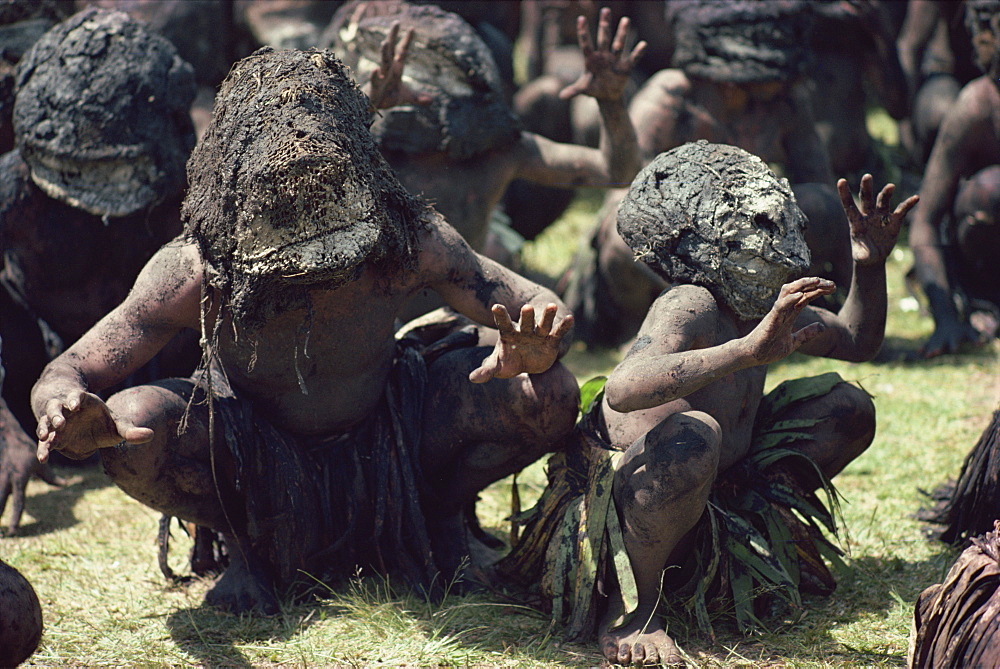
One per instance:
(613, 396)
(618, 398)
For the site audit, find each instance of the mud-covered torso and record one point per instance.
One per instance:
(318, 372)
(732, 400)
(672, 110)
(982, 99)
(69, 266)
(465, 192)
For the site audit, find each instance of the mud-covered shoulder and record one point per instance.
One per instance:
(168, 290)
(686, 302)
(682, 317)
(444, 253)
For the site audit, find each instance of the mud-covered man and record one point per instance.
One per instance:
(91, 191)
(955, 233)
(313, 439)
(687, 406)
(463, 146)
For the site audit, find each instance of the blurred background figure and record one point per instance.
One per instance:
(955, 230)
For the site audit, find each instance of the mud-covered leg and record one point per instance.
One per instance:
(475, 434)
(661, 488)
(844, 427)
(173, 474)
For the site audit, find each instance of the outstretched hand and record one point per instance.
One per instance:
(523, 347)
(775, 337)
(607, 67)
(875, 227)
(385, 87)
(80, 423)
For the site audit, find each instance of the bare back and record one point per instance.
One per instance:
(673, 109)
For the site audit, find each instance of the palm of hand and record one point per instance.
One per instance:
(875, 226)
(85, 429)
(607, 67)
(524, 347)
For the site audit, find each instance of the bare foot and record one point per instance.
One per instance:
(242, 588)
(642, 641)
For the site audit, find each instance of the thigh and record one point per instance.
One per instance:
(180, 471)
(458, 414)
(843, 426)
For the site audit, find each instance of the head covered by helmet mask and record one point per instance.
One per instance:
(716, 216)
(741, 41)
(287, 189)
(102, 114)
(468, 114)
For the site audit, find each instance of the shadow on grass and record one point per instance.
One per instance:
(213, 636)
(826, 631)
(52, 509)
(383, 625)
(462, 630)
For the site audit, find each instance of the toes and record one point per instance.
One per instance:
(625, 654)
(639, 654)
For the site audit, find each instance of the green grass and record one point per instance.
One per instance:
(90, 551)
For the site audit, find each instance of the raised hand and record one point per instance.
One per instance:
(523, 346)
(80, 423)
(386, 88)
(607, 67)
(875, 227)
(775, 337)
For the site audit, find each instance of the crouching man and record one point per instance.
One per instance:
(312, 437)
(680, 487)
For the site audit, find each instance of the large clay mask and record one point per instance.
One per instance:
(716, 216)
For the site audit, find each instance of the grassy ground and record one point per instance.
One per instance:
(90, 551)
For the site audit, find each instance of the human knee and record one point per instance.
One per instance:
(679, 458)
(554, 402)
(977, 211)
(854, 412)
(153, 406)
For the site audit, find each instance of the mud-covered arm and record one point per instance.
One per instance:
(915, 34)
(952, 157)
(617, 160)
(677, 350)
(164, 299)
(534, 324)
(855, 332)
(884, 72)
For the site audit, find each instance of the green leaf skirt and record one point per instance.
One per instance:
(757, 548)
